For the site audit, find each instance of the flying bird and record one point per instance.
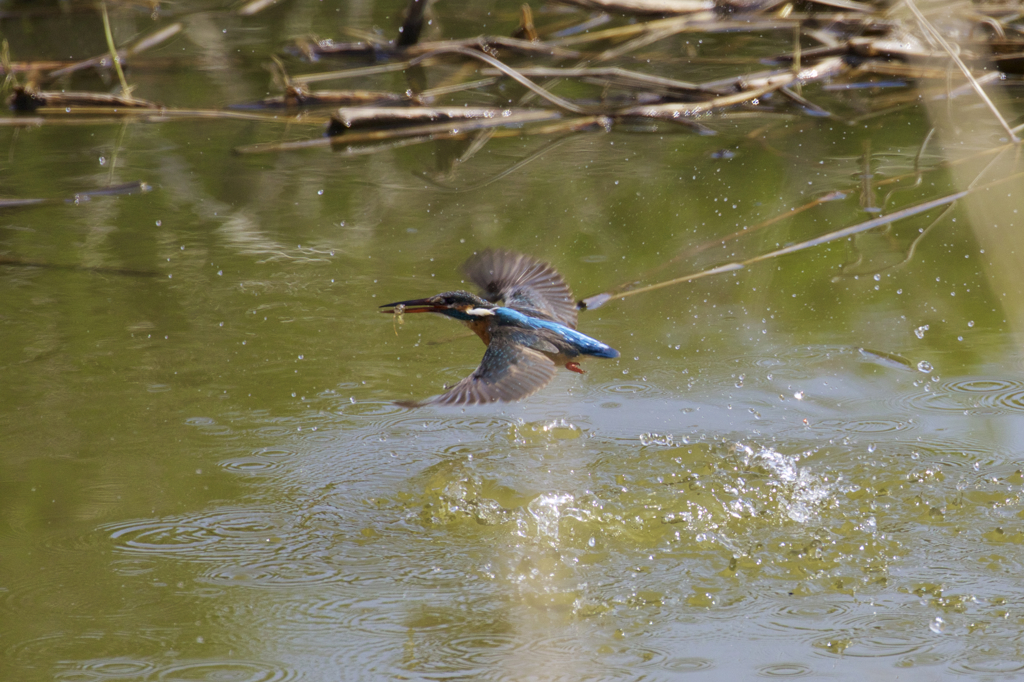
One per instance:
(527, 337)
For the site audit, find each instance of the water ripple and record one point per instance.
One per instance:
(274, 432)
(785, 670)
(968, 396)
(1002, 393)
(871, 425)
(689, 665)
(803, 620)
(134, 566)
(980, 663)
(963, 453)
(284, 571)
(107, 669)
(253, 465)
(101, 646)
(483, 649)
(628, 387)
(806, 609)
(370, 409)
(216, 535)
(872, 635)
(226, 671)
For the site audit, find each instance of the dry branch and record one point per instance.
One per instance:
(641, 7)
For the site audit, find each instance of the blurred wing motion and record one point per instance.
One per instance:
(511, 370)
(527, 285)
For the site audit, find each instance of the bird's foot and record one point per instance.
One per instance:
(574, 367)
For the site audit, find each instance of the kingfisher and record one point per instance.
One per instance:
(527, 337)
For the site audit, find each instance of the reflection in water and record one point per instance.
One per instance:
(786, 474)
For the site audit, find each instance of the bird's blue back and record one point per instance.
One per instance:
(585, 344)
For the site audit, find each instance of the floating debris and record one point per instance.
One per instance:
(593, 66)
(299, 96)
(886, 359)
(25, 99)
(80, 197)
(366, 118)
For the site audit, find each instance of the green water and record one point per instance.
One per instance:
(810, 466)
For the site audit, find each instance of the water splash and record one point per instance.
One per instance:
(651, 438)
(803, 492)
(546, 510)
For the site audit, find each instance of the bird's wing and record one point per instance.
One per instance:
(527, 285)
(510, 370)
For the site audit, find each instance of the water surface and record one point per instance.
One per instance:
(807, 467)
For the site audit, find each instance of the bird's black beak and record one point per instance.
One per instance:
(417, 305)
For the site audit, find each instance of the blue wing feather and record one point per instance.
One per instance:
(582, 343)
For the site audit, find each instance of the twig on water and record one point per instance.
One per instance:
(508, 71)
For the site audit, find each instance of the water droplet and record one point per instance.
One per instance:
(648, 439)
(938, 626)
(320, 192)
(919, 332)
(799, 395)
(878, 278)
(925, 366)
(103, 161)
